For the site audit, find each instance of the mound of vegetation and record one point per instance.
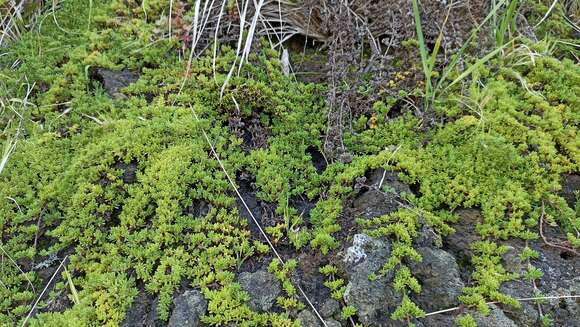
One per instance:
(132, 175)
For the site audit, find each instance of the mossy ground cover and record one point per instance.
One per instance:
(107, 183)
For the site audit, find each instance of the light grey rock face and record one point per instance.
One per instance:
(375, 299)
(511, 260)
(365, 256)
(439, 276)
(381, 194)
(188, 309)
(308, 319)
(329, 308)
(143, 312)
(263, 288)
(495, 319)
(113, 81)
(332, 323)
(375, 203)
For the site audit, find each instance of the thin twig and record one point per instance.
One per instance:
(545, 239)
(17, 266)
(170, 18)
(547, 14)
(44, 290)
(520, 299)
(536, 290)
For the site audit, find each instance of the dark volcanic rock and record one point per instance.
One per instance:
(308, 319)
(249, 195)
(511, 260)
(329, 308)
(317, 158)
(199, 208)
(465, 234)
(375, 299)
(332, 323)
(143, 312)
(495, 319)
(374, 203)
(263, 288)
(303, 206)
(438, 274)
(188, 309)
(114, 80)
(380, 195)
(560, 279)
(570, 184)
(365, 256)
(389, 180)
(459, 243)
(129, 171)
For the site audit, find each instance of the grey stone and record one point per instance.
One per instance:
(439, 276)
(374, 300)
(459, 243)
(329, 308)
(365, 256)
(495, 319)
(308, 319)
(115, 80)
(332, 323)
(262, 287)
(188, 309)
(560, 278)
(511, 260)
(566, 310)
(381, 195)
(143, 312)
(390, 181)
(375, 203)
(570, 185)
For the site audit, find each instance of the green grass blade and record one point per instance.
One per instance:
(507, 22)
(73, 289)
(477, 64)
(462, 50)
(422, 47)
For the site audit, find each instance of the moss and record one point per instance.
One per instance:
(557, 27)
(69, 183)
(116, 184)
(504, 152)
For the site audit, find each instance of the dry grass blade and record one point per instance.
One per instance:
(230, 180)
(238, 47)
(539, 298)
(18, 267)
(170, 18)
(547, 13)
(215, 39)
(456, 58)
(10, 17)
(422, 48)
(9, 148)
(11, 141)
(44, 291)
(250, 37)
